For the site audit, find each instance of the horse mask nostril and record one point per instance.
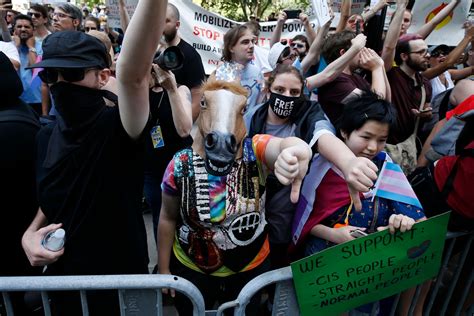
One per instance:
(231, 143)
(211, 140)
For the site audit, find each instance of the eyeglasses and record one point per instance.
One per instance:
(50, 75)
(35, 14)
(62, 15)
(299, 45)
(421, 52)
(90, 28)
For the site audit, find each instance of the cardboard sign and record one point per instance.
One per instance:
(321, 10)
(369, 269)
(449, 31)
(113, 17)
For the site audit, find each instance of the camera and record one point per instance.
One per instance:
(171, 58)
(292, 14)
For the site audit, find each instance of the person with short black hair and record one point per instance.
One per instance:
(39, 16)
(18, 127)
(30, 52)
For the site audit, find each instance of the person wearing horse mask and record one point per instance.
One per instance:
(286, 113)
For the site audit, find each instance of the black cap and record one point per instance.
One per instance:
(73, 49)
(442, 47)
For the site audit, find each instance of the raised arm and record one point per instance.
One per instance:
(134, 64)
(310, 32)
(372, 62)
(393, 33)
(276, 35)
(314, 51)
(453, 56)
(180, 101)
(124, 17)
(427, 28)
(372, 11)
(6, 36)
(335, 68)
(345, 14)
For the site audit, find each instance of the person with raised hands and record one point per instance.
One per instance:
(93, 148)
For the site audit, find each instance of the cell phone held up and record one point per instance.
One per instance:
(358, 233)
(292, 14)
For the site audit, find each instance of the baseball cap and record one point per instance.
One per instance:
(275, 53)
(442, 47)
(73, 49)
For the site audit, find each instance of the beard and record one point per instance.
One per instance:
(170, 35)
(417, 66)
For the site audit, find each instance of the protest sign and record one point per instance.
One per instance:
(113, 16)
(321, 10)
(369, 269)
(449, 31)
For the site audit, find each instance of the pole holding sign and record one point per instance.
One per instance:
(369, 269)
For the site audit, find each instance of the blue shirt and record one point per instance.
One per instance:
(29, 77)
(252, 80)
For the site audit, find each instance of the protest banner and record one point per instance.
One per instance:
(449, 31)
(205, 31)
(369, 269)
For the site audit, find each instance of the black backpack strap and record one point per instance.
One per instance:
(15, 116)
(448, 184)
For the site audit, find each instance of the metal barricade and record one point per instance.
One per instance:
(138, 294)
(441, 299)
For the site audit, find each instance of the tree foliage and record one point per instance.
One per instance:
(241, 10)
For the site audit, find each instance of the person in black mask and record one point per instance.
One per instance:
(286, 113)
(90, 162)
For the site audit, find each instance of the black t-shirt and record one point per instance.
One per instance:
(18, 203)
(161, 114)
(96, 191)
(192, 73)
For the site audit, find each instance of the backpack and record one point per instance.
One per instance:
(456, 133)
(454, 177)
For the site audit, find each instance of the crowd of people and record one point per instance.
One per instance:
(91, 122)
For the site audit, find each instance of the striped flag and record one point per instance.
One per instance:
(392, 184)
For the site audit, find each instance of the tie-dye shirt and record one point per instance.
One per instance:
(221, 228)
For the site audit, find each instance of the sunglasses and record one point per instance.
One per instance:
(90, 28)
(438, 54)
(299, 45)
(50, 75)
(35, 14)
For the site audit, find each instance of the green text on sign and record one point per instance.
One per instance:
(369, 269)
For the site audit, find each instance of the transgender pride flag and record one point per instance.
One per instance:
(393, 185)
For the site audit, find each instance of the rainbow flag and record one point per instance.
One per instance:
(392, 184)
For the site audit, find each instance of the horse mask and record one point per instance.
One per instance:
(221, 127)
